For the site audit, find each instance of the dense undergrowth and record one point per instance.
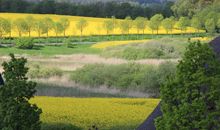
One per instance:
(131, 76)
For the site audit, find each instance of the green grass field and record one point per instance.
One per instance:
(47, 50)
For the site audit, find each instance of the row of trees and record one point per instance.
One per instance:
(92, 9)
(45, 25)
(30, 24)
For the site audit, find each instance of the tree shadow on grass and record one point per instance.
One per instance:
(59, 126)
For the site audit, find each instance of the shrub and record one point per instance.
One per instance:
(68, 43)
(38, 72)
(163, 48)
(24, 43)
(125, 76)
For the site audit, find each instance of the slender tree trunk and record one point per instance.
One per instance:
(81, 36)
(19, 33)
(39, 34)
(29, 33)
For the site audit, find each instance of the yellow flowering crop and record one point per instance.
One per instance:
(105, 113)
(102, 45)
(203, 39)
(95, 25)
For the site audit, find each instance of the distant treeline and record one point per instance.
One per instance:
(99, 9)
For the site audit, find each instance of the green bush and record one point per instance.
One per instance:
(190, 98)
(131, 76)
(38, 72)
(24, 43)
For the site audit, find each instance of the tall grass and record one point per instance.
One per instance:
(164, 48)
(146, 78)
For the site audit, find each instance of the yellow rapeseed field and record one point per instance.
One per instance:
(202, 39)
(95, 25)
(105, 113)
(103, 45)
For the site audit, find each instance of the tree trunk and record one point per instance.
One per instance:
(81, 36)
(19, 34)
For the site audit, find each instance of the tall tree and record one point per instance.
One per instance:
(30, 24)
(8, 27)
(183, 23)
(5, 27)
(17, 113)
(190, 7)
(48, 25)
(115, 22)
(218, 25)
(39, 27)
(65, 23)
(140, 24)
(168, 24)
(58, 28)
(155, 22)
(21, 26)
(126, 25)
(210, 25)
(108, 25)
(190, 98)
(129, 23)
(196, 23)
(81, 25)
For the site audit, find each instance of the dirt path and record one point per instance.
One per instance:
(73, 62)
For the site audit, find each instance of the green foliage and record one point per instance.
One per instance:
(24, 43)
(48, 24)
(21, 25)
(108, 25)
(39, 27)
(168, 24)
(126, 25)
(58, 28)
(65, 24)
(140, 23)
(37, 71)
(81, 25)
(161, 49)
(30, 24)
(196, 23)
(5, 26)
(191, 7)
(68, 43)
(190, 98)
(210, 25)
(16, 113)
(155, 22)
(126, 76)
(183, 23)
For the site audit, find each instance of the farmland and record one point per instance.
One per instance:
(94, 27)
(104, 113)
(107, 66)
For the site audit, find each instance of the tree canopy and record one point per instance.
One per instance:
(190, 98)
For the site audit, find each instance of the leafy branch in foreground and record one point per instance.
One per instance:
(16, 113)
